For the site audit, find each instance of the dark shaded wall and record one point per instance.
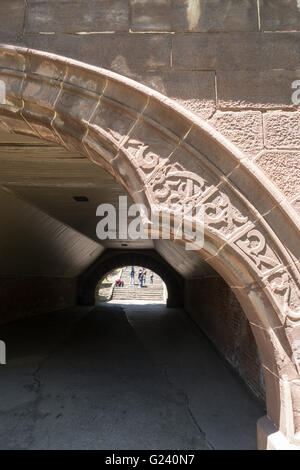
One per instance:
(30, 296)
(213, 306)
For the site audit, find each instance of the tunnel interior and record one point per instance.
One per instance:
(51, 265)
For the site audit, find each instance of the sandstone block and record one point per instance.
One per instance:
(236, 51)
(124, 53)
(273, 392)
(12, 19)
(64, 16)
(151, 15)
(243, 129)
(216, 154)
(148, 148)
(272, 358)
(242, 178)
(283, 168)
(282, 130)
(131, 98)
(194, 90)
(113, 120)
(167, 120)
(214, 15)
(256, 90)
(280, 15)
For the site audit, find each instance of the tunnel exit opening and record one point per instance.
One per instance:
(131, 285)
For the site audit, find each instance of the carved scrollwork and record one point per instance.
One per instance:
(258, 251)
(176, 188)
(221, 215)
(145, 158)
(286, 293)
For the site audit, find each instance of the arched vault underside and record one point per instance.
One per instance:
(166, 157)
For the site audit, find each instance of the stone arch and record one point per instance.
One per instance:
(112, 259)
(165, 156)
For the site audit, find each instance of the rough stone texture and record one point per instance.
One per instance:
(236, 51)
(256, 90)
(280, 15)
(194, 90)
(120, 52)
(12, 19)
(63, 16)
(31, 296)
(282, 130)
(214, 15)
(243, 129)
(283, 168)
(224, 322)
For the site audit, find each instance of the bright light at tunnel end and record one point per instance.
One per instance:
(133, 222)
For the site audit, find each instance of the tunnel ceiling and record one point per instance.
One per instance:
(44, 230)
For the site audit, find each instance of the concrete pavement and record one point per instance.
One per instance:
(119, 377)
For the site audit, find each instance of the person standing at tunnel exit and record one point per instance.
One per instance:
(140, 278)
(132, 273)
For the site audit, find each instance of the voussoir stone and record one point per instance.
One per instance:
(194, 90)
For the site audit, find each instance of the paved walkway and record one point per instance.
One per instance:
(119, 377)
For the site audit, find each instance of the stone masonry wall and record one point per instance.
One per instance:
(230, 61)
(213, 306)
(30, 296)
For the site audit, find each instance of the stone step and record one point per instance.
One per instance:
(120, 291)
(153, 291)
(158, 299)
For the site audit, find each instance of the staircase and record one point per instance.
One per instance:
(149, 292)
